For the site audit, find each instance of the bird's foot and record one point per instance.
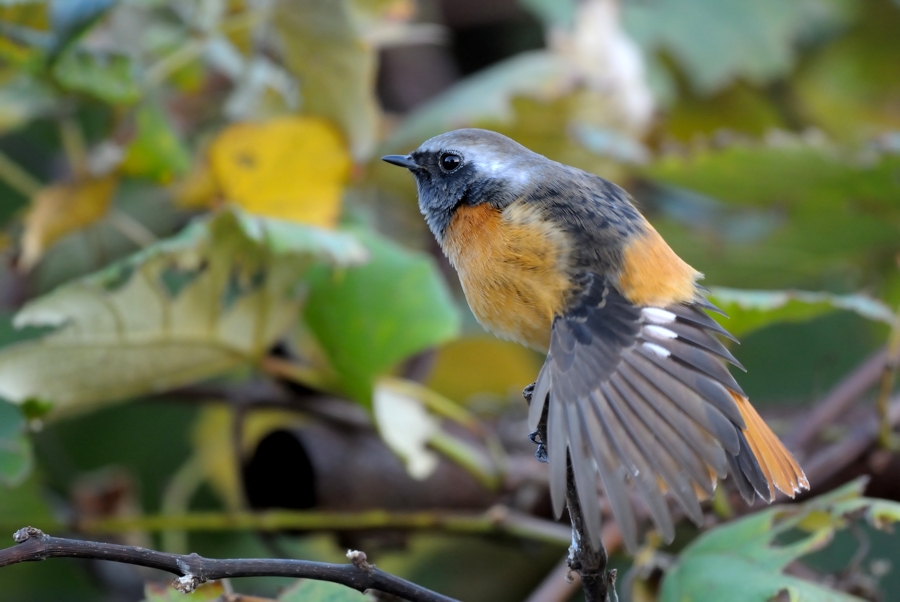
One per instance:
(527, 392)
(541, 452)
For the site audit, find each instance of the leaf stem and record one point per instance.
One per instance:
(176, 498)
(496, 520)
(74, 146)
(293, 371)
(20, 180)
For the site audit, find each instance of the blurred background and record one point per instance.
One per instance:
(225, 328)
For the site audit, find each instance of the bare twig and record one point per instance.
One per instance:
(888, 376)
(834, 458)
(558, 586)
(841, 397)
(192, 569)
(597, 582)
(560, 583)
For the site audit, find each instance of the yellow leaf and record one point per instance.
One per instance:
(198, 189)
(62, 208)
(510, 369)
(292, 168)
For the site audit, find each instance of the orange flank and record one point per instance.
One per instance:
(652, 274)
(777, 463)
(513, 266)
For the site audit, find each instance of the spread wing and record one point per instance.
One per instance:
(640, 398)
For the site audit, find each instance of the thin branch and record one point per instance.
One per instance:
(560, 583)
(862, 435)
(193, 569)
(136, 232)
(598, 582)
(838, 400)
(888, 376)
(496, 520)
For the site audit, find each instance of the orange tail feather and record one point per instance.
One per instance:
(778, 465)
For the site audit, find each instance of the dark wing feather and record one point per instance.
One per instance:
(639, 397)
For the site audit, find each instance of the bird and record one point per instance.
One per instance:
(634, 390)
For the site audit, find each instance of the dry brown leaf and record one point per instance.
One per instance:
(292, 168)
(62, 208)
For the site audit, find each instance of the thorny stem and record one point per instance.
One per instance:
(598, 582)
(194, 570)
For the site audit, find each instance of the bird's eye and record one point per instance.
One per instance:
(450, 161)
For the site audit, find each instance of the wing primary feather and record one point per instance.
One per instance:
(612, 475)
(666, 436)
(539, 395)
(557, 451)
(752, 470)
(705, 304)
(707, 388)
(706, 415)
(703, 362)
(695, 316)
(743, 484)
(583, 471)
(701, 338)
(639, 471)
(699, 439)
(659, 461)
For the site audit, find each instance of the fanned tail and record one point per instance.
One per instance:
(779, 468)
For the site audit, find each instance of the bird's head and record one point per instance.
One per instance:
(468, 166)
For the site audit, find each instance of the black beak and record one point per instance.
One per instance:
(401, 160)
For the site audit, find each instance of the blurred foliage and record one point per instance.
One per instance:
(745, 552)
(190, 194)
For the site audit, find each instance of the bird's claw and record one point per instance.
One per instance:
(528, 392)
(541, 452)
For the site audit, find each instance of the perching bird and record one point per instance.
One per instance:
(634, 383)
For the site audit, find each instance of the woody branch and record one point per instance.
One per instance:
(193, 570)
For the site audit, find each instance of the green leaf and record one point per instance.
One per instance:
(213, 298)
(70, 18)
(25, 506)
(717, 42)
(795, 213)
(749, 310)
(157, 152)
(16, 458)
(369, 318)
(552, 12)
(850, 88)
(486, 95)
(335, 66)
(22, 100)
(310, 590)
(741, 562)
(785, 171)
(107, 77)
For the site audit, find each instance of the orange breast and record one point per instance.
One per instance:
(513, 266)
